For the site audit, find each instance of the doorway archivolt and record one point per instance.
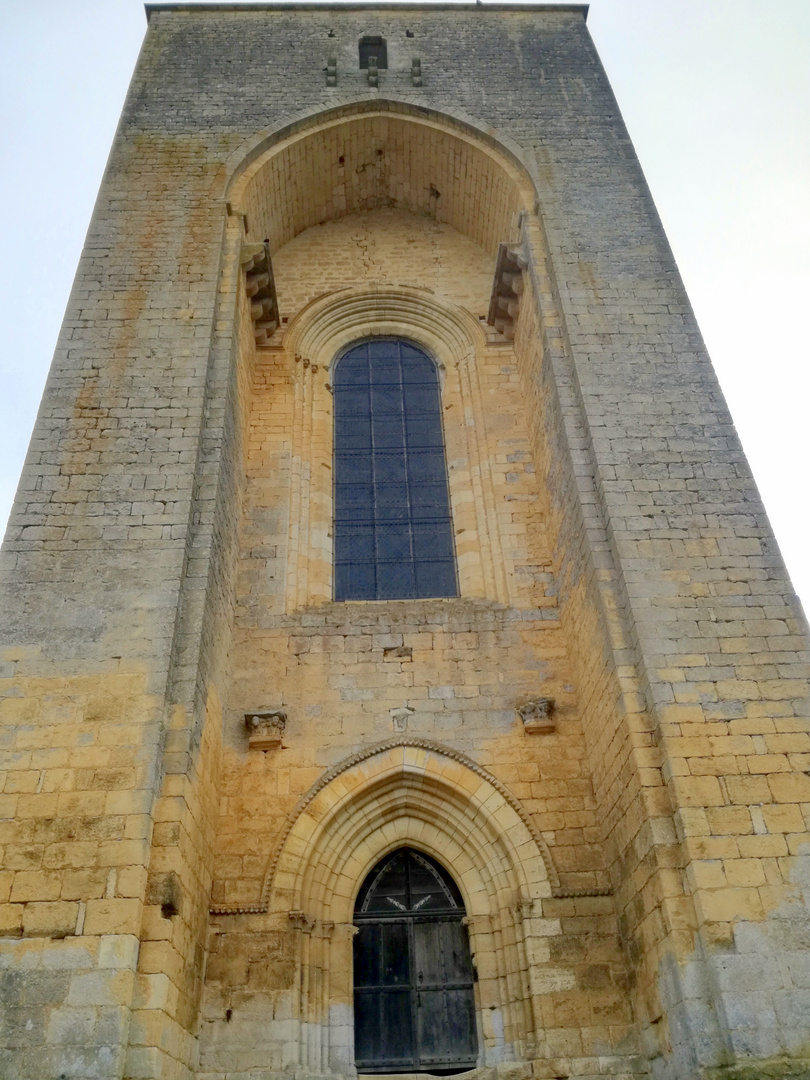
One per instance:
(414, 794)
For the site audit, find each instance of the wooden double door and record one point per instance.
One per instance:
(414, 1003)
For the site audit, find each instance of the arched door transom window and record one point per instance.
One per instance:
(414, 1008)
(393, 534)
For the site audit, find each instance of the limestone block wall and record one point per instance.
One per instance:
(654, 587)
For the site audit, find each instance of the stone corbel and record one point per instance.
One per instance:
(537, 716)
(265, 729)
(507, 289)
(400, 717)
(260, 288)
(165, 890)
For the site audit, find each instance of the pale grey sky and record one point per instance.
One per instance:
(716, 94)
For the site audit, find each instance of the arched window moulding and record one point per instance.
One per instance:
(455, 341)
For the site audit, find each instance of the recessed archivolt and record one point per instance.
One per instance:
(332, 321)
(415, 792)
(380, 153)
(248, 158)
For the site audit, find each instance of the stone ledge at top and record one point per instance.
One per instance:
(576, 9)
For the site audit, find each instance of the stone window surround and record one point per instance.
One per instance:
(456, 341)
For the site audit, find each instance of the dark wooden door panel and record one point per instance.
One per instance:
(445, 1024)
(395, 954)
(414, 1002)
(460, 1006)
(383, 1028)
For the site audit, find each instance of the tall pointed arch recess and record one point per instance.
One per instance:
(417, 794)
(380, 153)
(365, 155)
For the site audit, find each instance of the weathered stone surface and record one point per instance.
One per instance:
(636, 879)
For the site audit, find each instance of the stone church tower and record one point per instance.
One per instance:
(398, 671)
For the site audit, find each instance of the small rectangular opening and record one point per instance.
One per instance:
(373, 46)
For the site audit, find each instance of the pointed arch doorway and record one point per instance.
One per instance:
(414, 1004)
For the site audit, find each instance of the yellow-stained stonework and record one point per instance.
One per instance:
(603, 738)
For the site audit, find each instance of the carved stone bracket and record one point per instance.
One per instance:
(400, 717)
(537, 716)
(260, 288)
(265, 729)
(507, 289)
(416, 71)
(331, 71)
(165, 890)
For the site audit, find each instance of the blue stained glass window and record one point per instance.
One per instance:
(393, 534)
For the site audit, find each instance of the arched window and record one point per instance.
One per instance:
(393, 535)
(414, 1006)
